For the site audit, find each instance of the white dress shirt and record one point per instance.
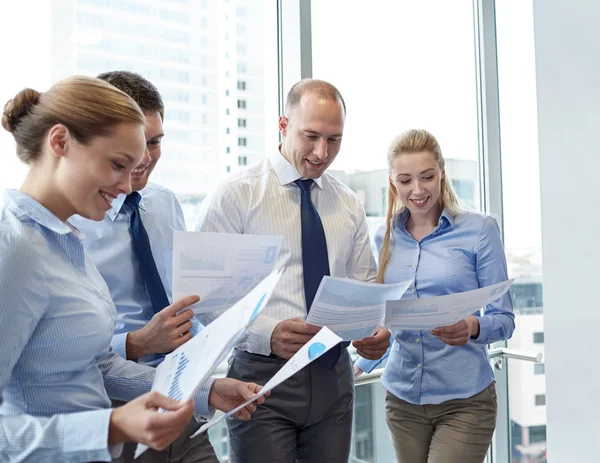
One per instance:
(264, 200)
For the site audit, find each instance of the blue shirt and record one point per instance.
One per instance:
(57, 369)
(109, 245)
(464, 252)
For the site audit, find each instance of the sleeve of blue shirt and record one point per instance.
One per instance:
(74, 437)
(498, 321)
(125, 380)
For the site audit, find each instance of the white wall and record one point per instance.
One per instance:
(567, 39)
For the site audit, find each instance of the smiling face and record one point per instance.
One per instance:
(417, 179)
(154, 134)
(90, 176)
(312, 134)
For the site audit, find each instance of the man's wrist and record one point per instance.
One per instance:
(133, 346)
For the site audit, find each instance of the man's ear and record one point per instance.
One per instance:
(283, 125)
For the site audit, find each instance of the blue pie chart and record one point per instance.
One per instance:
(315, 349)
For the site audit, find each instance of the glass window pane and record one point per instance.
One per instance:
(411, 66)
(522, 223)
(208, 73)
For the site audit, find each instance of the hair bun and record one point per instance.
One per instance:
(20, 106)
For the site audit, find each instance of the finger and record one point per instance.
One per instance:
(184, 316)
(296, 338)
(377, 353)
(459, 335)
(157, 400)
(181, 340)
(180, 304)
(174, 419)
(454, 342)
(304, 328)
(357, 344)
(181, 329)
(243, 414)
(245, 390)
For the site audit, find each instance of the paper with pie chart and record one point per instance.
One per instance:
(188, 367)
(324, 340)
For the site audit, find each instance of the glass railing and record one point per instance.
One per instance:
(371, 442)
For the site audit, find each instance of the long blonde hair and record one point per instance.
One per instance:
(412, 141)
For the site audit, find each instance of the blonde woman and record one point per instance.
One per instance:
(441, 401)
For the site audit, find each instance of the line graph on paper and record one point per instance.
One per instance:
(209, 259)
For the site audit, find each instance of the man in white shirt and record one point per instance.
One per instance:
(308, 418)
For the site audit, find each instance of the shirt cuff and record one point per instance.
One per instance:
(86, 436)
(203, 411)
(367, 366)
(258, 338)
(485, 328)
(119, 344)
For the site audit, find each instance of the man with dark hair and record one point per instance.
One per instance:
(308, 418)
(132, 248)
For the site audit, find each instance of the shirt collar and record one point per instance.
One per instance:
(118, 202)
(286, 173)
(445, 219)
(25, 207)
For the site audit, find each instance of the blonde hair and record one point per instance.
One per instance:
(88, 107)
(413, 141)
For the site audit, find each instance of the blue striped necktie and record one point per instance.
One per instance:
(315, 263)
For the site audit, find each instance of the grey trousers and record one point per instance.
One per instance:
(456, 431)
(183, 450)
(308, 418)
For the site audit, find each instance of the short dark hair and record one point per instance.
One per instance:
(320, 87)
(141, 90)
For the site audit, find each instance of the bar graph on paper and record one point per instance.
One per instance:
(175, 389)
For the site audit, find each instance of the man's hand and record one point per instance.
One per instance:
(289, 336)
(140, 421)
(459, 333)
(227, 394)
(374, 347)
(165, 332)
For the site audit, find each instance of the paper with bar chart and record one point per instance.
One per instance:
(184, 370)
(428, 313)
(220, 267)
(352, 309)
(321, 342)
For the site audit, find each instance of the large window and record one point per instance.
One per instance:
(522, 222)
(412, 65)
(214, 62)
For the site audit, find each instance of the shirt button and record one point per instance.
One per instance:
(412, 290)
(418, 340)
(419, 365)
(414, 266)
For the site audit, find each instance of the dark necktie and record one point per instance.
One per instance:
(143, 252)
(315, 263)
